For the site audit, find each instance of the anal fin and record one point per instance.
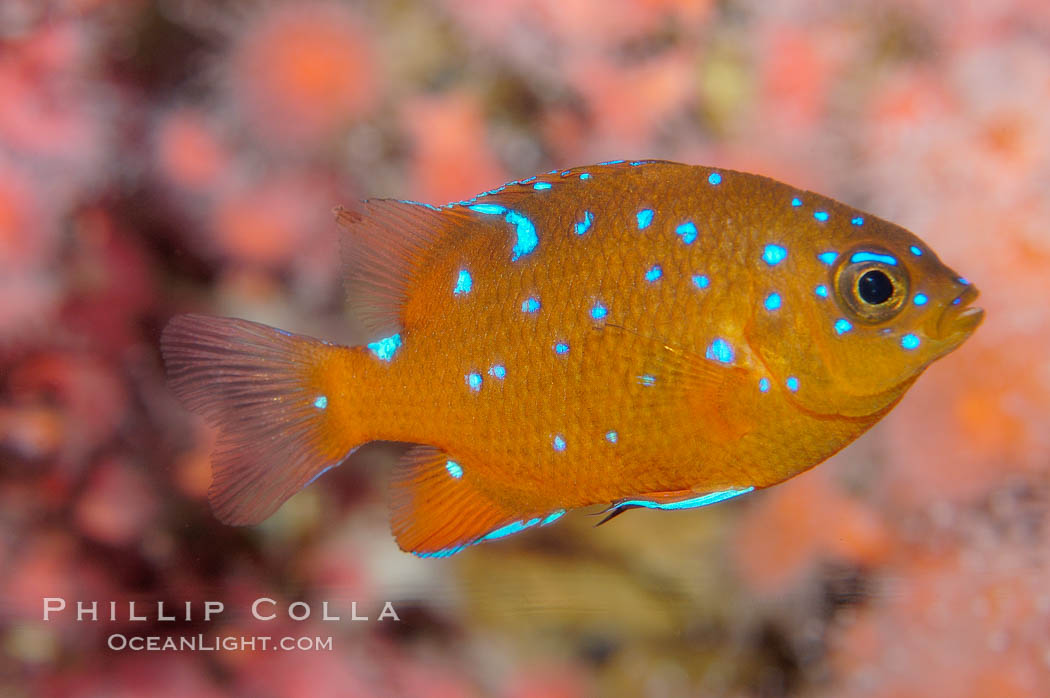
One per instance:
(437, 508)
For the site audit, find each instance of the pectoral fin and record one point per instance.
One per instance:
(679, 379)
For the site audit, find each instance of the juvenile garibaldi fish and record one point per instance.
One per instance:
(644, 334)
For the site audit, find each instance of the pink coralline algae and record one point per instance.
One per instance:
(162, 157)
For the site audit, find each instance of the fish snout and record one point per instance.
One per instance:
(960, 317)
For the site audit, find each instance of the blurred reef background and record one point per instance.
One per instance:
(159, 156)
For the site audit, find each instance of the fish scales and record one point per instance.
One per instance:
(563, 391)
(631, 334)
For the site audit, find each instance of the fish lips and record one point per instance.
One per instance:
(960, 319)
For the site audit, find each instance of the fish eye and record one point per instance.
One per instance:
(872, 285)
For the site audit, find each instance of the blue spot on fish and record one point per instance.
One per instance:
(792, 384)
(498, 371)
(796, 202)
(701, 281)
(647, 380)
(720, 350)
(530, 305)
(859, 220)
(501, 532)
(444, 552)
(774, 254)
(541, 185)
(828, 257)
(432, 207)
(585, 175)
(385, 348)
(645, 217)
(321, 402)
(963, 281)
(552, 517)
(654, 273)
(509, 529)
(821, 291)
(526, 232)
(910, 341)
(763, 385)
(599, 311)
(915, 251)
(920, 299)
(561, 348)
(464, 283)
(474, 381)
(611, 436)
(873, 257)
(772, 301)
(584, 225)
(687, 231)
(820, 215)
(490, 209)
(559, 443)
(842, 326)
(518, 526)
(714, 178)
(454, 469)
(527, 239)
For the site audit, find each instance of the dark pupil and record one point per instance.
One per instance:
(875, 287)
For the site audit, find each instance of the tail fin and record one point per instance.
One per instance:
(263, 389)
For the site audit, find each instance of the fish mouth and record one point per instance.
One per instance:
(960, 318)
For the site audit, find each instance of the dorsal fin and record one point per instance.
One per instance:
(437, 508)
(386, 242)
(512, 193)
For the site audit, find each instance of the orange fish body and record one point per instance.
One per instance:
(632, 334)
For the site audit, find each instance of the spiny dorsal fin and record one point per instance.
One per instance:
(387, 240)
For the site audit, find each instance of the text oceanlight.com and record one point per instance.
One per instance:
(119, 642)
